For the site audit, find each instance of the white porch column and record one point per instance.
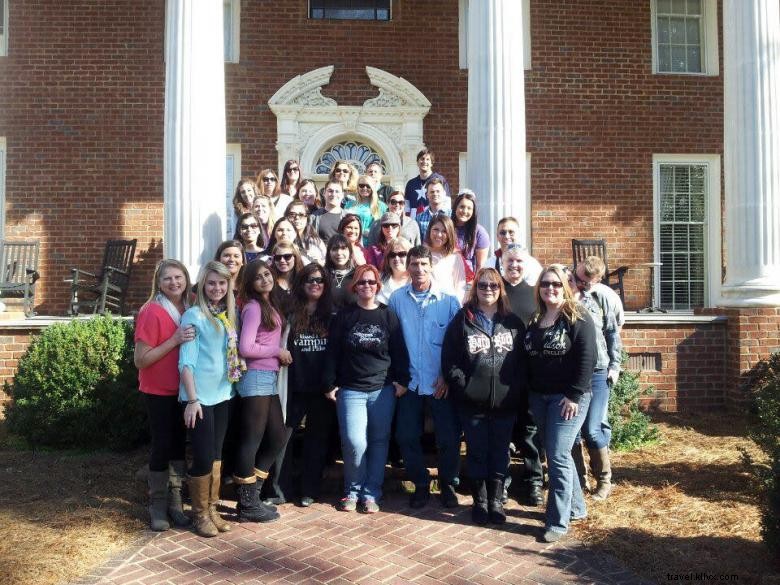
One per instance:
(194, 188)
(751, 63)
(496, 168)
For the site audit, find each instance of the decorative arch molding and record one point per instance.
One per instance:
(308, 123)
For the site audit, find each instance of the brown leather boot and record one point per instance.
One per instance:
(601, 467)
(579, 465)
(216, 477)
(200, 489)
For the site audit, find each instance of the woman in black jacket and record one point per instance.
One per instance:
(482, 372)
(560, 353)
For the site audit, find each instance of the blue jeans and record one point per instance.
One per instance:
(564, 499)
(596, 430)
(409, 430)
(487, 443)
(364, 422)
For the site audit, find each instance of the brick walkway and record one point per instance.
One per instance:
(398, 545)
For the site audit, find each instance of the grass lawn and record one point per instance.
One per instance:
(683, 505)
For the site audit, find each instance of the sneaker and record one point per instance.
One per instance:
(347, 504)
(369, 507)
(420, 497)
(552, 535)
(306, 501)
(448, 497)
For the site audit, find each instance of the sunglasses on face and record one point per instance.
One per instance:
(488, 286)
(396, 202)
(392, 255)
(390, 225)
(366, 282)
(293, 170)
(249, 226)
(315, 280)
(550, 284)
(364, 186)
(341, 171)
(269, 180)
(285, 257)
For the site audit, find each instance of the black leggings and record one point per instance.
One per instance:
(166, 423)
(207, 438)
(260, 416)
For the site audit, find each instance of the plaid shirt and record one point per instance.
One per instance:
(424, 219)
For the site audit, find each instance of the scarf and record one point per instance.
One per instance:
(169, 307)
(235, 365)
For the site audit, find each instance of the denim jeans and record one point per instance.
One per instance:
(487, 443)
(564, 499)
(596, 430)
(409, 430)
(364, 422)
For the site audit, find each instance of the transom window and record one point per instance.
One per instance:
(359, 154)
(682, 200)
(350, 9)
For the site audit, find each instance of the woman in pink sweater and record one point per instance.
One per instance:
(261, 411)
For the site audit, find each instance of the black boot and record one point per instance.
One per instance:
(495, 489)
(479, 511)
(249, 507)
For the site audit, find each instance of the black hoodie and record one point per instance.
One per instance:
(482, 370)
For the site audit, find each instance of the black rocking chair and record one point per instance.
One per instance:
(105, 291)
(581, 249)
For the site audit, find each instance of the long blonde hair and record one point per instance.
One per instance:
(221, 270)
(374, 198)
(158, 272)
(570, 307)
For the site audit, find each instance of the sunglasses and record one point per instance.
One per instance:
(550, 284)
(285, 257)
(315, 280)
(391, 225)
(341, 171)
(366, 282)
(249, 226)
(506, 232)
(488, 286)
(293, 215)
(396, 202)
(293, 170)
(364, 186)
(392, 255)
(269, 180)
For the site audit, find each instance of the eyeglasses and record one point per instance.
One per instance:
(396, 202)
(293, 170)
(366, 282)
(249, 226)
(392, 255)
(391, 225)
(506, 232)
(550, 284)
(340, 171)
(285, 257)
(364, 187)
(293, 215)
(488, 286)
(315, 280)
(269, 180)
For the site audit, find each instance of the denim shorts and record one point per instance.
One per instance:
(258, 383)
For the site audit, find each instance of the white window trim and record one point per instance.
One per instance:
(709, 40)
(463, 47)
(712, 225)
(4, 34)
(235, 45)
(234, 150)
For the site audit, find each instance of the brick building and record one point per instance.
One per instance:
(584, 118)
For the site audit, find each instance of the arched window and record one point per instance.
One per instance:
(359, 154)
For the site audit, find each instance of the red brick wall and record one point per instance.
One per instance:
(13, 343)
(82, 101)
(693, 358)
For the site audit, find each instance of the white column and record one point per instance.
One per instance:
(751, 64)
(496, 168)
(194, 189)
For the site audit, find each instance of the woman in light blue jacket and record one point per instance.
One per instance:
(208, 366)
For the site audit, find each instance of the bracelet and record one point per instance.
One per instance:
(192, 401)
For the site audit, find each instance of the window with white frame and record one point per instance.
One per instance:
(685, 36)
(463, 37)
(232, 176)
(232, 29)
(2, 186)
(3, 27)
(687, 218)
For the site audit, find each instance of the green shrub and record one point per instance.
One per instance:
(76, 387)
(631, 427)
(765, 431)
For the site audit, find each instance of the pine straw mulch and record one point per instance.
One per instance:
(62, 515)
(686, 504)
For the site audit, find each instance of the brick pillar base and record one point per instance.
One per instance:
(751, 335)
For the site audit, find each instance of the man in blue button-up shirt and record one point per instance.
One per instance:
(424, 311)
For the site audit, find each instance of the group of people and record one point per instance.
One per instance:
(372, 306)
